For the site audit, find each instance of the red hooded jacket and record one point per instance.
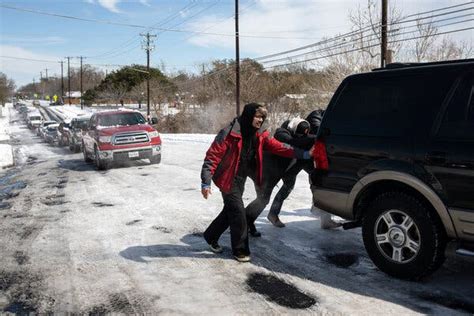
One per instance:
(222, 158)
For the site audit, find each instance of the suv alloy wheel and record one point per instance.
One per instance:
(402, 237)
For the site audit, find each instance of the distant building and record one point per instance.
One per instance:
(75, 97)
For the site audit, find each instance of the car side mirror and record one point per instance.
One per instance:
(154, 120)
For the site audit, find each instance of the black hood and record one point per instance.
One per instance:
(246, 119)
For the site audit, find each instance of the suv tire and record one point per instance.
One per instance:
(155, 159)
(402, 237)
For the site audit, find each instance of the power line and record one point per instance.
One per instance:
(133, 39)
(70, 17)
(436, 10)
(193, 16)
(363, 48)
(430, 17)
(370, 37)
(353, 33)
(30, 59)
(143, 26)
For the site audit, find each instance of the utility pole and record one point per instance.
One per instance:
(148, 46)
(383, 42)
(203, 79)
(41, 84)
(69, 79)
(81, 58)
(62, 80)
(237, 59)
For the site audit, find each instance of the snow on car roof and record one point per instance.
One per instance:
(111, 112)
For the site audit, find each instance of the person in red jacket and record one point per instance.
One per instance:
(235, 154)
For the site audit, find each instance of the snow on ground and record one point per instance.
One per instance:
(129, 241)
(6, 156)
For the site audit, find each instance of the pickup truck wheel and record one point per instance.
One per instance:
(84, 153)
(402, 237)
(100, 164)
(155, 159)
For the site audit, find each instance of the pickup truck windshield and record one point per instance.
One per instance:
(121, 119)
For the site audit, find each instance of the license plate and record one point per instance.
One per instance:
(133, 154)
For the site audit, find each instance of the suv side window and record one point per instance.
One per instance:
(386, 105)
(458, 120)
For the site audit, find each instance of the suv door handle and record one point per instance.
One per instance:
(436, 157)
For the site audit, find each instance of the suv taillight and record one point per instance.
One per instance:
(320, 156)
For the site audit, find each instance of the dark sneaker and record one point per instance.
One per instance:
(275, 220)
(253, 231)
(242, 258)
(215, 248)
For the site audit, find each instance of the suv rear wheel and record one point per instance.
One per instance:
(402, 237)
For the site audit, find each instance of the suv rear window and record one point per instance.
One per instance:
(388, 105)
(121, 119)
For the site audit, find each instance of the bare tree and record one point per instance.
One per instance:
(7, 87)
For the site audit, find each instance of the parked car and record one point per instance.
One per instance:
(33, 120)
(113, 136)
(64, 133)
(395, 155)
(75, 132)
(42, 128)
(51, 134)
(22, 108)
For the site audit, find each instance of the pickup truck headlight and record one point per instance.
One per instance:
(153, 134)
(105, 139)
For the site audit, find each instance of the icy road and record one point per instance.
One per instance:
(129, 240)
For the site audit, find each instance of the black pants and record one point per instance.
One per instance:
(271, 179)
(232, 215)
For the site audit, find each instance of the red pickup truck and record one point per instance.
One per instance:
(114, 136)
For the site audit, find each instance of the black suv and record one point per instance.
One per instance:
(396, 156)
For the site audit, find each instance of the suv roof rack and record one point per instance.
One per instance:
(407, 65)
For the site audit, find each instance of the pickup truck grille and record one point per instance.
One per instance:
(130, 138)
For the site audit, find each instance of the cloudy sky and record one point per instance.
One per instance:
(189, 32)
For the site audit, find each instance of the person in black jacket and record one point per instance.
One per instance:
(298, 133)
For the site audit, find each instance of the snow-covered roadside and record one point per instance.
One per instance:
(6, 155)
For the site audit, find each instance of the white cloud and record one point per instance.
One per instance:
(145, 2)
(302, 22)
(23, 71)
(110, 5)
(299, 22)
